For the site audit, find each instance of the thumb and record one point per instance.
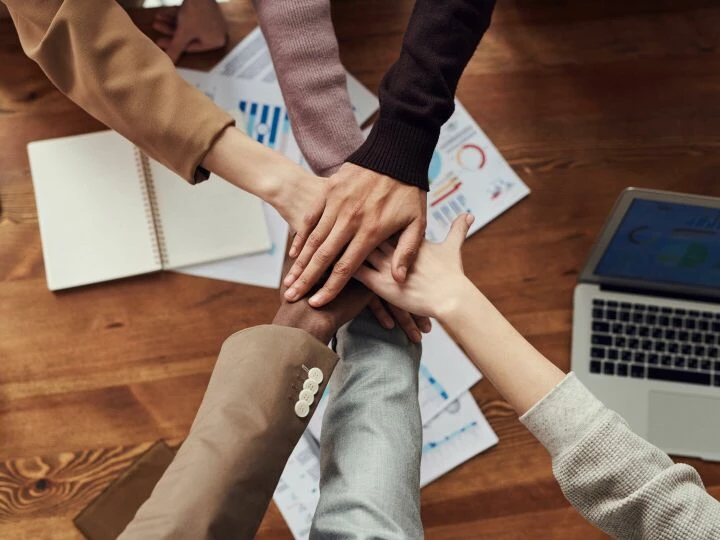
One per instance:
(177, 45)
(407, 250)
(458, 231)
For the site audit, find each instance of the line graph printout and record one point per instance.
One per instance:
(445, 373)
(457, 434)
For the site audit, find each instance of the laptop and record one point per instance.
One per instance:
(646, 321)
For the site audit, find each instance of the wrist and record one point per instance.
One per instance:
(317, 327)
(247, 164)
(456, 300)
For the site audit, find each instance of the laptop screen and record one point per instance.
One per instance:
(665, 243)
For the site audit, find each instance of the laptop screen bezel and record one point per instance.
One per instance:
(613, 221)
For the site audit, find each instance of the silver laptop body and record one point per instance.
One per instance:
(646, 320)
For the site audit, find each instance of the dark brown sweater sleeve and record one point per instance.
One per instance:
(417, 93)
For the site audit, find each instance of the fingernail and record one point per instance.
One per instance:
(402, 272)
(416, 336)
(426, 326)
(292, 252)
(289, 279)
(469, 219)
(389, 324)
(317, 299)
(291, 294)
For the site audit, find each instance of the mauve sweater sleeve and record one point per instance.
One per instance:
(417, 94)
(305, 54)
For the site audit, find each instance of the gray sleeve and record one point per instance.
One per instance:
(371, 438)
(617, 480)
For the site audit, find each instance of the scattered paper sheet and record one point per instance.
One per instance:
(468, 174)
(265, 119)
(250, 59)
(457, 434)
(445, 374)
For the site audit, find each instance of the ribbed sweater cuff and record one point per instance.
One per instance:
(398, 150)
(564, 415)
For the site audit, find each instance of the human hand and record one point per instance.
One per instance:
(362, 209)
(389, 315)
(322, 323)
(197, 26)
(435, 284)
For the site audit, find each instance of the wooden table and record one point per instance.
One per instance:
(582, 98)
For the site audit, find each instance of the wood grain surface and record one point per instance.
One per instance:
(582, 98)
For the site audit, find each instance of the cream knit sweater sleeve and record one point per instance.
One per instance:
(618, 481)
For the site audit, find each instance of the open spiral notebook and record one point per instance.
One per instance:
(107, 211)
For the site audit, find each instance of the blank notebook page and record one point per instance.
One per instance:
(91, 209)
(208, 221)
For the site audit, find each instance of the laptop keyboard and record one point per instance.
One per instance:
(651, 342)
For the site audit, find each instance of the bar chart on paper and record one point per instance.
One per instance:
(267, 124)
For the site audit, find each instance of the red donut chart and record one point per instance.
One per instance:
(471, 157)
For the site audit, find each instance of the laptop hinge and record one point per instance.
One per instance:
(661, 293)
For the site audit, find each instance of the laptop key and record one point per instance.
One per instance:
(597, 352)
(716, 325)
(653, 309)
(703, 325)
(692, 377)
(717, 366)
(664, 320)
(677, 322)
(611, 315)
(694, 313)
(657, 333)
(633, 343)
(622, 370)
(672, 347)
(686, 349)
(639, 357)
(630, 330)
(637, 371)
(624, 316)
(609, 368)
(626, 356)
(598, 339)
(670, 334)
(613, 354)
(709, 339)
(617, 328)
(666, 360)
(597, 313)
(690, 324)
(679, 361)
(599, 326)
(598, 302)
(680, 312)
(646, 344)
(696, 337)
(620, 341)
(660, 346)
(638, 317)
(683, 335)
(653, 359)
(692, 363)
(717, 380)
(706, 365)
(651, 319)
(699, 350)
(595, 366)
(644, 331)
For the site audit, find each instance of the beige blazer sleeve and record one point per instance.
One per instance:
(94, 54)
(221, 481)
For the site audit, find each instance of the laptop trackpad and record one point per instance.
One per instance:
(685, 423)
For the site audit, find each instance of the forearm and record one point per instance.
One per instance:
(305, 53)
(515, 368)
(417, 93)
(94, 54)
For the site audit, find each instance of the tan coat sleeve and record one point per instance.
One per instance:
(94, 54)
(226, 471)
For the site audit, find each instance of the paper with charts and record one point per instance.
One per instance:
(454, 430)
(468, 174)
(245, 81)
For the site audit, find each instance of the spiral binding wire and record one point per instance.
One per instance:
(151, 207)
